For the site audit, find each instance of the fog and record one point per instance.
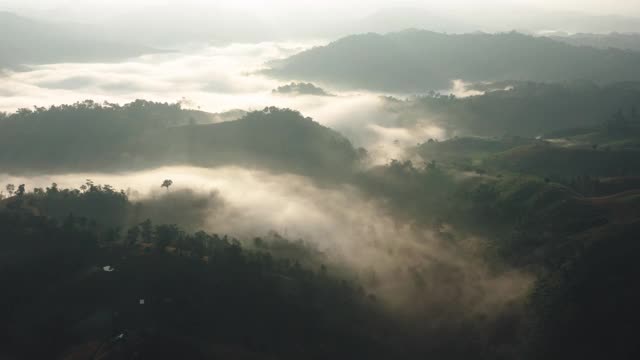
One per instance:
(411, 268)
(343, 8)
(175, 22)
(218, 79)
(466, 188)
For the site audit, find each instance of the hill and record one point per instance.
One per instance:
(557, 161)
(400, 18)
(26, 41)
(80, 289)
(623, 41)
(418, 61)
(522, 108)
(300, 89)
(144, 134)
(609, 150)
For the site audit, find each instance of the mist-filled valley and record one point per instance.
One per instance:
(349, 180)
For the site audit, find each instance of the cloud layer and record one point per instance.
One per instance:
(214, 79)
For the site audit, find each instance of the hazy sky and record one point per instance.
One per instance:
(100, 7)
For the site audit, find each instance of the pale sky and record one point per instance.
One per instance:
(603, 7)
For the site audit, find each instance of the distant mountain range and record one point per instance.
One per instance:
(418, 60)
(27, 41)
(175, 23)
(602, 41)
(488, 19)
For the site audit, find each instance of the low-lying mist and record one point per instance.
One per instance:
(219, 79)
(412, 269)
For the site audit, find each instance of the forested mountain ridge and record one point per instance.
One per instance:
(145, 134)
(528, 109)
(560, 228)
(623, 41)
(156, 291)
(419, 61)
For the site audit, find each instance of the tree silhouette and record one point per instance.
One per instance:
(132, 235)
(146, 228)
(166, 184)
(10, 189)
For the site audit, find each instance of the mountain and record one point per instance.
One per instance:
(145, 134)
(602, 152)
(27, 41)
(295, 89)
(275, 139)
(630, 41)
(579, 22)
(521, 108)
(401, 18)
(168, 302)
(418, 61)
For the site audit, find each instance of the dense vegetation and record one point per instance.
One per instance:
(419, 61)
(89, 136)
(492, 212)
(577, 235)
(77, 263)
(80, 279)
(523, 108)
(562, 207)
(609, 149)
(108, 285)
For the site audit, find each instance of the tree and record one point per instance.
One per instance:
(166, 184)
(112, 234)
(433, 165)
(53, 189)
(21, 190)
(132, 235)
(166, 234)
(146, 231)
(10, 189)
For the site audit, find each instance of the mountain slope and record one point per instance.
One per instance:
(27, 41)
(415, 60)
(621, 41)
(522, 108)
(144, 134)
